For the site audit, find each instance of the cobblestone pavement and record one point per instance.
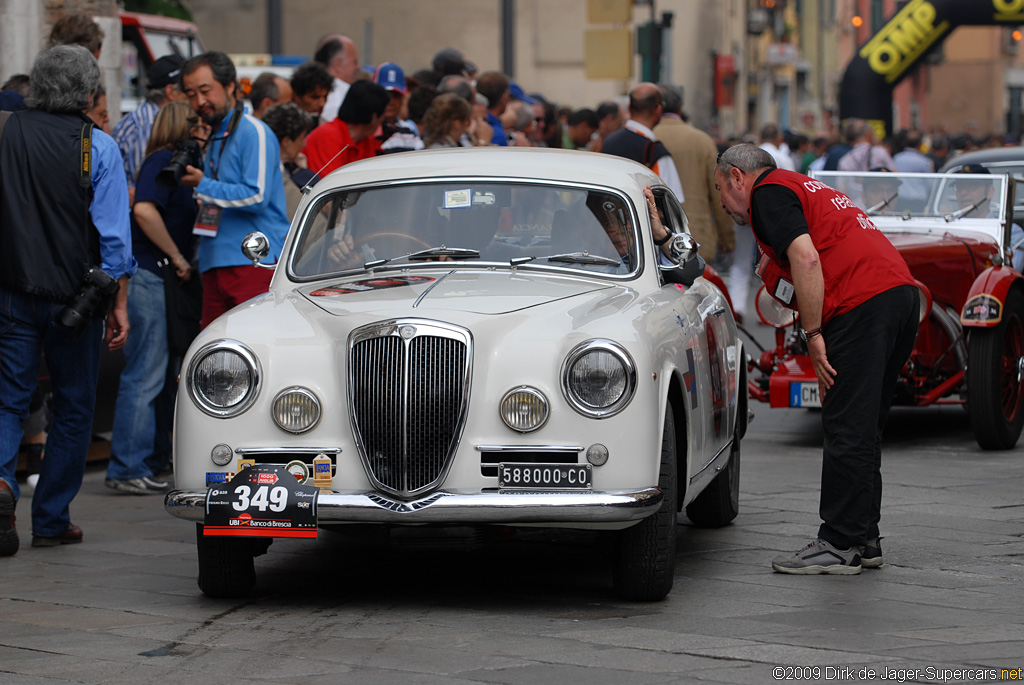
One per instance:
(537, 607)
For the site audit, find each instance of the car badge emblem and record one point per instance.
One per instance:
(299, 469)
(407, 332)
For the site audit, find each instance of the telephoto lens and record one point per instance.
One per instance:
(186, 153)
(96, 293)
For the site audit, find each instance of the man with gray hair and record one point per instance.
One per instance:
(65, 255)
(809, 234)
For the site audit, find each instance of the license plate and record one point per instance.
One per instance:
(544, 476)
(804, 395)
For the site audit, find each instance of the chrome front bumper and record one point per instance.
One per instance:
(449, 507)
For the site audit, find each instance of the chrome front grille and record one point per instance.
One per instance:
(408, 392)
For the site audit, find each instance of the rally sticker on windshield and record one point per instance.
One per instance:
(455, 199)
(370, 284)
(262, 501)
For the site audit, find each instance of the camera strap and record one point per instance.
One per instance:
(85, 157)
(236, 117)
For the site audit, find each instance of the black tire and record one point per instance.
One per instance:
(226, 567)
(719, 503)
(645, 554)
(995, 392)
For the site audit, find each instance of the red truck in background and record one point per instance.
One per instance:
(146, 38)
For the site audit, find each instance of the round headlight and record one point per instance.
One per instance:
(771, 311)
(296, 410)
(224, 378)
(524, 409)
(598, 378)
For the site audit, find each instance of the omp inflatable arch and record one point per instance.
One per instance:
(882, 62)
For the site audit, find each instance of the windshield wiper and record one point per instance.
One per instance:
(583, 258)
(966, 210)
(881, 205)
(442, 251)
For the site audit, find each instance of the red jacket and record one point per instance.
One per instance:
(326, 140)
(857, 260)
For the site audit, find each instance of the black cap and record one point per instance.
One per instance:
(972, 169)
(888, 181)
(164, 71)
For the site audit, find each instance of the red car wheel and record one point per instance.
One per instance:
(995, 378)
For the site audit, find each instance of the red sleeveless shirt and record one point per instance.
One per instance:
(857, 260)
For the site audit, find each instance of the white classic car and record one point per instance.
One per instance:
(468, 337)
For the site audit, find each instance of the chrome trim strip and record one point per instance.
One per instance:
(530, 448)
(431, 287)
(449, 507)
(714, 460)
(287, 450)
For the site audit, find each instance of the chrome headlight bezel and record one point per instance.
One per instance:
(308, 395)
(255, 375)
(535, 394)
(628, 367)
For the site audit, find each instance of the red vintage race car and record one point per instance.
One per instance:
(957, 234)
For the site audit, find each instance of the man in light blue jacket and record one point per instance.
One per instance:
(239, 187)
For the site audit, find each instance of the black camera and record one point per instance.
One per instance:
(186, 153)
(95, 297)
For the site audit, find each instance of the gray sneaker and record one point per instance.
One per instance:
(137, 486)
(871, 553)
(820, 557)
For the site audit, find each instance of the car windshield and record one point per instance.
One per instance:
(469, 222)
(951, 197)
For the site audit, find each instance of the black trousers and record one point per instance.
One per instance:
(867, 347)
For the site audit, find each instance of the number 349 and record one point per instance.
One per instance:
(275, 498)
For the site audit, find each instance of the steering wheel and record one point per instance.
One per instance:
(368, 239)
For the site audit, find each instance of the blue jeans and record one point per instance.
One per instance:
(142, 379)
(28, 328)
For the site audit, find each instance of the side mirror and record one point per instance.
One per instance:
(682, 248)
(256, 247)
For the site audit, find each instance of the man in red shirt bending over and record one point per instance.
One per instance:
(822, 256)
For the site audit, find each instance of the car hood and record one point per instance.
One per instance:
(946, 263)
(481, 292)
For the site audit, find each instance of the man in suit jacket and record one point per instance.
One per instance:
(695, 156)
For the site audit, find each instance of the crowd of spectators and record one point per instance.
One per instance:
(331, 112)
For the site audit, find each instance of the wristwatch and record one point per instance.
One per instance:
(806, 335)
(668, 237)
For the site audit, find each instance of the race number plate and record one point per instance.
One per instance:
(804, 395)
(544, 476)
(262, 501)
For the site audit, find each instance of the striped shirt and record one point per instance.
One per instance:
(132, 136)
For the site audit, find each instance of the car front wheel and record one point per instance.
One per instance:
(645, 554)
(995, 378)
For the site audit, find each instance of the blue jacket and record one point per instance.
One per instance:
(242, 175)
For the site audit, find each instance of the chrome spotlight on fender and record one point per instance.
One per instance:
(682, 248)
